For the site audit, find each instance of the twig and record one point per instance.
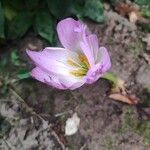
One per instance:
(63, 113)
(82, 148)
(58, 140)
(10, 146)
(25, 104)
(34, 113)
(45, 115)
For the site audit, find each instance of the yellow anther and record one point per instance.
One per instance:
(84, 60)
(72, 63)
(81, 67)
(78, 72)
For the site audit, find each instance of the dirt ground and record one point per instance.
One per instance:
(32, 115)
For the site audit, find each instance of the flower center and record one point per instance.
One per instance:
(81, 68)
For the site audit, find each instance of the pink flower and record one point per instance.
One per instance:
(80, 61)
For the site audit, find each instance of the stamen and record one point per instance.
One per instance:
(72, 63)
(84, 60)
(75, 64)
(78, 73)
(81, 68)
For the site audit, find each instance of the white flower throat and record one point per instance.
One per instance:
(81, 68)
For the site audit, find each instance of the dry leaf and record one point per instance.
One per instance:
(123, 9)
(132, 100)
(133, 17)
(120, 93)
(128, 10)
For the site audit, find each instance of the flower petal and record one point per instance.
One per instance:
(72, 82)
(59, 82)
(100, 68)
(60, 54)
(93, 44)
(44, 77)
(104, 58)
(70, 33)
(49, 65)
(89, 47)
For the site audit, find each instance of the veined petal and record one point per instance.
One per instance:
(87, 52)
(77, 85)
(94, 74)
(60, 54)
(70, 33)
(44, 77)
(104, 58)
(100, 68)
(49, 65)
(57, 81)
(72, 82)
(93, 45)
(89, 46)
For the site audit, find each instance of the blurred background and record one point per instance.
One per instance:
(32, 115)
(17, 17)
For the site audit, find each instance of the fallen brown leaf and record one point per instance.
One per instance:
(128, 10)
(132, 100)
(133, 17)
(124, 9)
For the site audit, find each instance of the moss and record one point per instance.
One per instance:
(128, 117)
(127, 122)
(108, 143)
(81, 99)
(135, 47)
(141, 127)
(144, 96)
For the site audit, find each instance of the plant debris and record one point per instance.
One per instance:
(72, 125)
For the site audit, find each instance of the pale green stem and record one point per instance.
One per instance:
(111, 77)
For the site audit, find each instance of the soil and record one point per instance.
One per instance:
(34, 115)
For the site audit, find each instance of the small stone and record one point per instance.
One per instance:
(133, 17)
(72, 125)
